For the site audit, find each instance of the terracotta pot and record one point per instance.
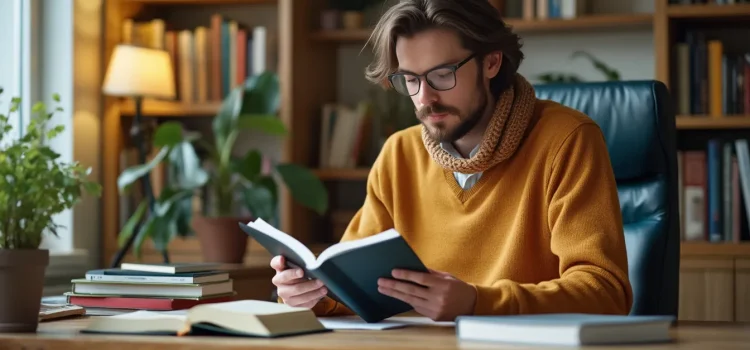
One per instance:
(21, 287)
(221, 239)
(352, 19)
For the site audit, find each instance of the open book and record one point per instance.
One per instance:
(251, 318)
(350, 269)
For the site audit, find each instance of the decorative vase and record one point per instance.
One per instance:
(221, 239)
(21, 288)
(329, 20)
(352, 19)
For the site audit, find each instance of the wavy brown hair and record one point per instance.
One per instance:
(477, 22)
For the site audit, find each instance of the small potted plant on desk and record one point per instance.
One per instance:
(34, 186)
(252, 106)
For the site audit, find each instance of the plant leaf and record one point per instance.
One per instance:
(168, 134)
(260, 201)
(267, 124)
(134, 173)
(250, 167)
(187, 171)
(261, 94)
(129, 227)
(304, 186)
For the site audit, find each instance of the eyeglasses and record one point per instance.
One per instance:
(440, 78)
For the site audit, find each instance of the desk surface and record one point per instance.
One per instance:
(63, 334)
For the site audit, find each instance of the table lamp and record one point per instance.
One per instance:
(139, 72)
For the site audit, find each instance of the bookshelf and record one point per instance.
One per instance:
(301, 45)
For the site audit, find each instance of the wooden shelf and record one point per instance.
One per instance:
(154, 108)
(595, 22)
(342, 174)
(708, 122)
(708, 11)
(727, 249)
(200, 2)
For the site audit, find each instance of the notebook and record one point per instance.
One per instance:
(350, 270)
(564, 329)
(171, 268)
(250, 318)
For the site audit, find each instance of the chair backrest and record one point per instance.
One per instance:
(638, 123)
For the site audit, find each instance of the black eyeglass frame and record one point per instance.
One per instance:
(452, 67)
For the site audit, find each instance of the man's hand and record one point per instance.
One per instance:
(437, 295)
(292, 288)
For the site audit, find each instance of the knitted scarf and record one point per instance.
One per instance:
(513, 111)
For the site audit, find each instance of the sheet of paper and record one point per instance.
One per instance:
(354, 322)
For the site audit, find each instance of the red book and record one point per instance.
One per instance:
(142, 303)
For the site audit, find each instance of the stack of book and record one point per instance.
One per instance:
(132, 287)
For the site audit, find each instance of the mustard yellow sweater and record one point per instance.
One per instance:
(539, 233)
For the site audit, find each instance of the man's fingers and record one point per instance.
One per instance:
(277, 263)
(414, 301)
(425, 279)
(289, 276)
(305, 298)
(405, 287)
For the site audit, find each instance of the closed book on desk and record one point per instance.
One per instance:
(564, 329)
(250, 318)
(350, 270)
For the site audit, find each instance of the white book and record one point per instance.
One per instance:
(564, 329)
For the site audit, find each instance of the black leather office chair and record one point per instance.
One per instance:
(638, 122)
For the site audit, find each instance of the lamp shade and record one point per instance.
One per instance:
(139, 72)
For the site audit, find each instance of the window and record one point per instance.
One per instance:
(10, 63)
(39, 37)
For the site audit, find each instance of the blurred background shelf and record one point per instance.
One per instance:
(342, 174)
(154, 108)
(707, 11)
(708, 122)
(589, 22)
(725, 249)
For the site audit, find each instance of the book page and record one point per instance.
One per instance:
(342, 247)
(251, 307)
(286, 239)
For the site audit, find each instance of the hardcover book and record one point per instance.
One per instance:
(249, 318)
(350, 269)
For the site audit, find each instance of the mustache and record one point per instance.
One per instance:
(435, 108)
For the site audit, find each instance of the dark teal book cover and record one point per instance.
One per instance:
(350, 270)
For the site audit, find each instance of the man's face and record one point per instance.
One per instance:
(450, 114)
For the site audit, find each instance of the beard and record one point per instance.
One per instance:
(440, 131)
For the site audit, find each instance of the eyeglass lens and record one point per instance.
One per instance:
(440, 79)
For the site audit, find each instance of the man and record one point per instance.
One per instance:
(509, 200)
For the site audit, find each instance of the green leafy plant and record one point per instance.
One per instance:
(252, 106)
(610, 74)
(34, 183)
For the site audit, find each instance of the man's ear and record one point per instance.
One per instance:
(492, 63)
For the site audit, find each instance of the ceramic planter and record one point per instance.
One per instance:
(221, 239)
(21, 288)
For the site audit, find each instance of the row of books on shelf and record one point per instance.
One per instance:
(711, 78)
(208, 60)
(542, 9)
(714, 192)
(345, 135)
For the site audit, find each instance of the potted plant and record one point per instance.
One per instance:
(34, 186)
(231, 181)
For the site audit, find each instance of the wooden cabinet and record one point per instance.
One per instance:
(715, 282)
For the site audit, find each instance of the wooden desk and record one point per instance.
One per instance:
(63, 335)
